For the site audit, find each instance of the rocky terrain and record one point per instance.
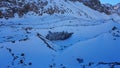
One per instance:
(10, 7)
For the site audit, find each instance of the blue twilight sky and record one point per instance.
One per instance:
(113, 2)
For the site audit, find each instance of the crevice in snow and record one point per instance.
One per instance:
(45, 41)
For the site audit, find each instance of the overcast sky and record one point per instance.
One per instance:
(113, 2)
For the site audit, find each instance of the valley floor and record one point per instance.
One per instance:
(94, 43)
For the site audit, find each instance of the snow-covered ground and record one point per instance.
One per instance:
(95, 42)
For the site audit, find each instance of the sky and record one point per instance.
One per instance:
(113, 2)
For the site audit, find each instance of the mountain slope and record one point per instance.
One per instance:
(41, 7)
(94, 42)
(91, 48)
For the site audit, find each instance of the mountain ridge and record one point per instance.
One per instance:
(40, 7)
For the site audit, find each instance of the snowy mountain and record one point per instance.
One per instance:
(8, 8)
(103, 8)
(59, 34)
(117, 8)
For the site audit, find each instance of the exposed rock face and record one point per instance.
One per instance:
(21, 7)
(104, 8)
(53, 36)
(96, 5)
(117, 8)
(9, 7)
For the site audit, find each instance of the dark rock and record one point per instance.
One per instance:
(53, 36)
(21, 61)
(29, 63)
(80, 60)
(22, 54)
(114, 28)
